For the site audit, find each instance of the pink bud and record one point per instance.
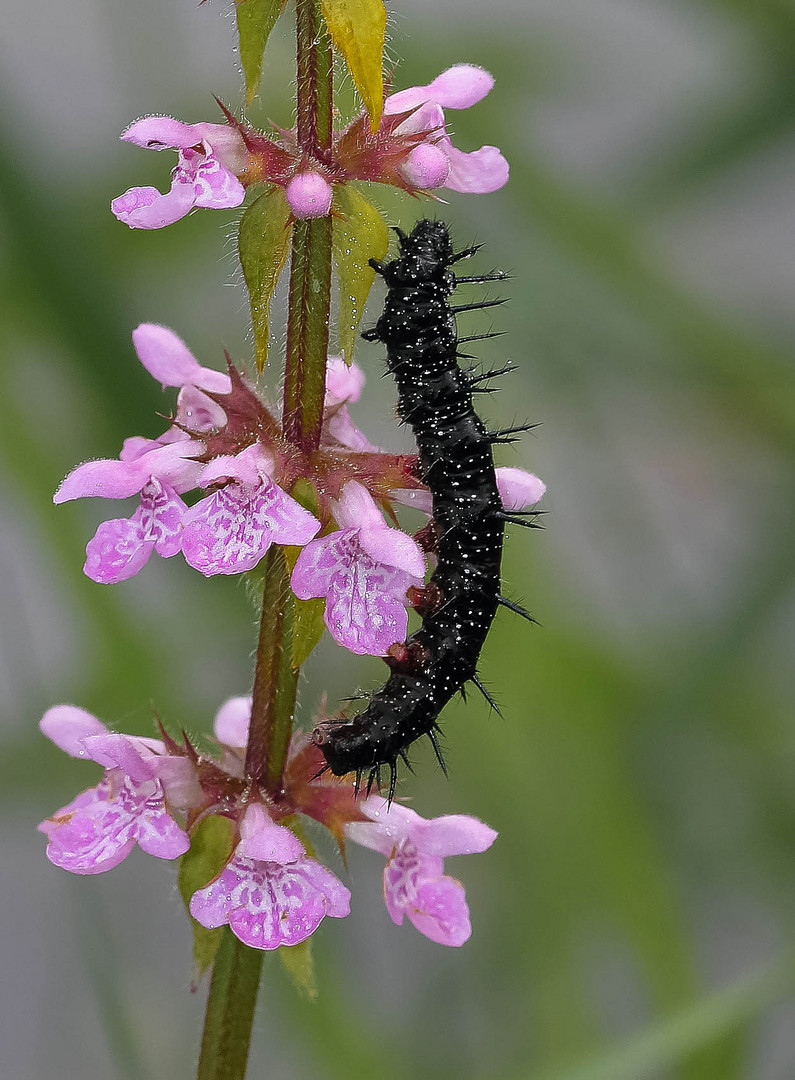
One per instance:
(426, 166)
(309, 195)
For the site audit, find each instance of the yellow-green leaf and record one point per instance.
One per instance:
(360, 234)
(300, 966)
(255, 20)
(211, 844)
(357, 29)
(263, 244)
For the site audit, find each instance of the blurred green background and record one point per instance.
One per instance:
(636, 918)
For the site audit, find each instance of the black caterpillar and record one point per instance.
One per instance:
(418, 327)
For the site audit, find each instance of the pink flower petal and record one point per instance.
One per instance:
(134, 755)
(264, 841)
(267, 905)
(197, 412)
(356, 508)
(404, 872)
(116, 552)
(158, 834)
(460, 86)
(135, 446)
(95, 838)
(169, 360)
(452, 834)
(364, 599)
(394, 548)
(214, 187)
(343, 382)
(340, 427)
(163, 133)
(518, 489)
(67, 726)
(113, 479)
(389, 825)
(364, 623)
(230, 531)
(148, 208)
(160, 517)
(477, 173)
(232, 721)
(419, 498)
(440, 912)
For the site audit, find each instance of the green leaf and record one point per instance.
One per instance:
(357, 29)
(255, 20)
(299, 964)
(308, 628)
(359, 234)
(211, 844)
(308, 624)
(263, 244)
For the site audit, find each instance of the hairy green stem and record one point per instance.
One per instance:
(230, 1010)
(275, 679)
(236, 973)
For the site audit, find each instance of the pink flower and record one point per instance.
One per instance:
(209, 156)
(270, 892)
(435, 162)
(121, 547)
(518, 489)
(229, 531)
(363, 571)
(344, 384)
(309, 195)
(414, 880)
(99, 828)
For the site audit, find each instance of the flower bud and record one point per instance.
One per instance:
(309, 195)
(426, 166)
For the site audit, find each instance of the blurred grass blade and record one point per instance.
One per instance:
(665, 1044)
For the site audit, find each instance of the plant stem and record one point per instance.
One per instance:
(236, 973)
(275, 679)
(230, 1010)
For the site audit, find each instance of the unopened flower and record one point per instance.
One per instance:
(271, 892)
(229, 531)
(209, 158)
(99, 828)
(415, 884)
(309, 195)
(363, 571)
(435, 162)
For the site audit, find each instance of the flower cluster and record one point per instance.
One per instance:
(226, 442)
(270, 891)
(411, 149)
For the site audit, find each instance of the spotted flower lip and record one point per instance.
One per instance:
(271, 892)
(208, 158)
(415, 885)
(363, 571)
(229, 531)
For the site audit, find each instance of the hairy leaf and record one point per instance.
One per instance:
(357, 29)
(211, 845)
(360, 234)
(299, 964)
(255, 20)
(263, 244)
